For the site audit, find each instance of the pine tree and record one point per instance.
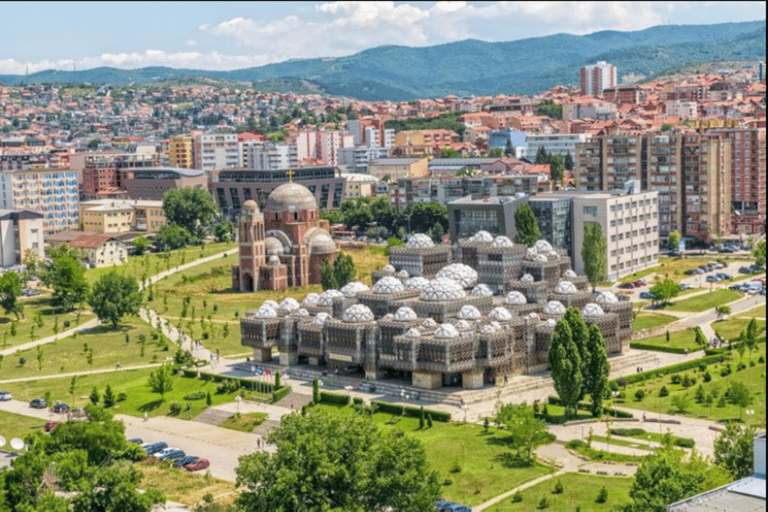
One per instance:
(94, 396)
(526, 226)
(109, 397)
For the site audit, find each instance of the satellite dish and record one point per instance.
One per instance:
(17, 444)
(2, 441)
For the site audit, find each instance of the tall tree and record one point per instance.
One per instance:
(331, 463)
(673, 240)
(140, 244)
(568, 162)
(598, 369)
(759, 253)
(734, 450)
(171, 236)
(67, 278)
(580, 337)
(343, 269)
(10, 291)
(525, 430)
(593, 253)
(565, 367)
(327, 280)
(114, 296)
(191, 208)
(541, 156)
(527, 228)
(161, 380)
(556, 168)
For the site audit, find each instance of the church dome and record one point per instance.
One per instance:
(321, 318)
(290, 197)
(592, 310)
(446, 331)
(502, 241)
(273, 246)
(542, 247)
(310, 299)
(288, 305)
(250, 206)
(607, 297)
(322, 244)
(481, 237)
(527, 278)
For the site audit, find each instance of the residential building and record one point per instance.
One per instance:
(214, 151)
(597, 77)
(664, 174)
(180, 152)
(50, 192)
(621, 94)
(359, 185)
(233, 187)
(595, 109)
(120, 216)
(396, 168)
(153, 182)
(423, 142)
(101, 250)
(356, 159)
(684, 109)
(21, 233)
(707, 182)
(555, 143)
(502, 138)
(104, 173)
(267, 155)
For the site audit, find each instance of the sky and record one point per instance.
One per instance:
(233, 35)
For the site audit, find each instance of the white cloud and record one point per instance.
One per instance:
(191, 42)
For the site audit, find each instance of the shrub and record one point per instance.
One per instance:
(663, 391)
(602, 495)
(761, 360)
(675, 379)
(629, 432)
(447, 481)
(543, 503)
(613, 385)
(196, 395)
(700, 395)
(684, 442)
(67, 323)
(517, 497)
(334, 398)
(122, 396)
(639, 394)
(702, 367)
(190, 374)
(726, 371)
(280, 393)
(707, 377)
(558, 488)
(208, 399)
(455, 467)
(413, 412)
(357, 400)
(175, 409)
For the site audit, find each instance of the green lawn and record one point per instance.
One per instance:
(705, 301)
(69, 355)
(558, 412)
(579, 493)
(244, 422)
(15, 425)
(752, 376)
(52, 321)
(731, 328)
(181, 486)
(651, 320)
(485, 470)
(140, 398)
(678, 339)
(756, 312)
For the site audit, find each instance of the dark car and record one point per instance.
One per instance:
(621, 296)
(626, 286)
(136, 440)
(724, 275)
(172, 454)
(188, 459)
(713, 279)
(60, 408)
(38, 403)
(647, 295)
(198, 465)
(690, 272)
(152, 448)
(745, 270)
(447, 506)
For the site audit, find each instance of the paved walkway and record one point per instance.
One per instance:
(77, 374)
(50, 339)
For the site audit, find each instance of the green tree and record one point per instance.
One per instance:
(316, 391)
(541, 156)
(734, 450)
(327, 280)
(665, 290)
(223, 231)
(67, 278)
(495, 153)
(580, 337)
(739, 395)
(526, 225)
(525, 430)
(10, 291)
(681, 402)
(161, 380)
(72, 384)
(95, 397)
(115, 489)
(141, 244)
(568, 162)
(594, 253)
(556, 168)
(597, 369)
(190, 208)
(723, 311)
(109, 397)
(759, 253)
(565, 367)
(326, 462)
(171, 236)
(419, 217)
(114, 296)
(343, 269)
(673, 240)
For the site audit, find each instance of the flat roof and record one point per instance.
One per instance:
(179, 170)
(394, 161)
(741, 496)
(120, 204)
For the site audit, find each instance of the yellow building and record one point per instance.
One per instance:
(396, 168)
(180, 151)
(359, 185)
(120, 216)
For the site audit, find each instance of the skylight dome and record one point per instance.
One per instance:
(388, 285)
(405, 314)
(357, 313)
(353, 288)
(420, 241)
(469, 312)
(325, 300)
(516, 298)
(462, 274)
(566, 288)
(442, 289)
(554, 308)
(500, 314)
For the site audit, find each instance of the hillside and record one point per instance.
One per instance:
(526, 66)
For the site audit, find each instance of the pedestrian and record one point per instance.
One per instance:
(145, 416)
(118, 365)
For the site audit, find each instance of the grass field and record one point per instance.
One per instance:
(756, 312)
(752, 376)
(181, 486)
(244, 422)
(651, 320)
(731, 328)
(40, 307)
(679, 339)
(140, 398)
(580, 492)
(485, 471)
(705, 301)
(15, 425)
(69, 355)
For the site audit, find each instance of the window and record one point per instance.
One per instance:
(590, 210)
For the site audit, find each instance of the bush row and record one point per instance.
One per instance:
(334, 398)
(413, 412)
(555, 400)
(252, 385)
(658, 348)
(280, 393)
(686, 365)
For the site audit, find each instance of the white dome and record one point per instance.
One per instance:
(402, 274)
(446, 331)
(607, 297)
(534, 316)
(569, 273)
(554, 307)
(321, 318)
(270, 303)
(502, 241)
(273, 260)
(527, 278)
(265, 312)
(419, 241)
(288, 305)
(357, 313)
(565, 288)
(534, 256)
(465, 275)
(443, 289)
(516, 298)
(388, 285)
(489, 328)
(482, 290)
(302, 312)
(325, 300)
(469, 312)
(542, 247)
(551, 322)
(416, 283)
(353, 288)
(405, 314)
(310, 300)
(413, 332)
(481, 236)
(388, 316)
(500, 314)
(592, 310)
(388, 268)
(273, 246)
(429, 323)
(463, 325)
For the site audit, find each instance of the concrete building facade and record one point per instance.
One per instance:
(153, 182)
(21, 233)
(597, 77)
(121, 216)
(50, 192)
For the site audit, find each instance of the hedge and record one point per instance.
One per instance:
(658, 348)
(413, 412)
(279, 394)
(659, 372)
(357, 400)
(334, 398)
(555, 400)
(192, 374)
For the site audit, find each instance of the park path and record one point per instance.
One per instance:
(78, 374)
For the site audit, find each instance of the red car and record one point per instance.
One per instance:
(638, 284)
(198, 465)
(50, 425)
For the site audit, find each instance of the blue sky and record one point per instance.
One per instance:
(232, 35)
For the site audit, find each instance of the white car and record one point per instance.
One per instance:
(5, 395)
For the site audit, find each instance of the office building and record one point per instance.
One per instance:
(105, 173)
(496, 215)
(555, 143)
(152, 183)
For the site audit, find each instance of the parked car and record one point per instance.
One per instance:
(38, 403)
(745, 270)
(5, 395)
(28, 292)
(49, 426)
(626, 286)
(187, 459)
(60, 408)
(136, 440)
(198, 465)
(698, 271)
(713, 279)
(621, 296)
(685, 286)
(724, 275)
(170, 453)
(152, 448)
(79, 412)
(638, 283)
(447, 506)
(647, 295)
(366, 386)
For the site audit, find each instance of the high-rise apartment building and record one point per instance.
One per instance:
(707, 182)
(597, 77)
(180, 152)
(214, 151)
(50, 192)
(268, 156)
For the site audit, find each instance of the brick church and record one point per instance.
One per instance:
(284, 245)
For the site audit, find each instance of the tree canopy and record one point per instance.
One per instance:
(527, 228)
(171, 236)
(114, 296)
(597, 370)
(565, 366)
(673, 240)
(10, 290)
(335, 275)
(336, 463)
(593, 253)
(525, 430)
(161, 380)
(759, 253)
(734, 450)
(665, 290)
(191, 208)
(67, 278)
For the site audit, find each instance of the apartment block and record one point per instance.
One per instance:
(180, 152)
(664, 174)
(268, 156)
(396, 168)
(213, 151)
(556, 143)
(50, 192)
(597, 77)
(104, 173)
(21, 232)
(707, 182)
(121, 216)
(608, 162)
